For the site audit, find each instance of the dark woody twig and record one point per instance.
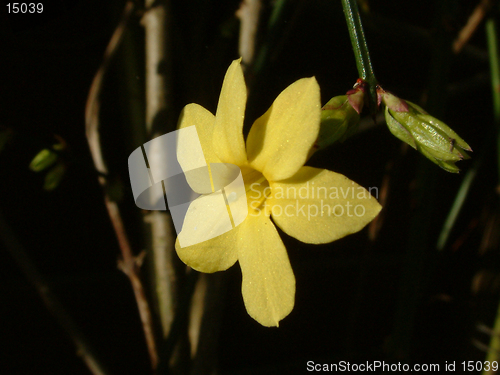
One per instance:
(129, 264)
(51, 301)
(472, 24)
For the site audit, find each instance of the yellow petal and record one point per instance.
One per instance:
(215, 254)
(320, 206)
(194, 148)
(207, 217)
(268, 284)
(228, 140)
(279, 141)
(194, 114)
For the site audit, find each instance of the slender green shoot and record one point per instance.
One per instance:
(492, 40)
(491, 35)
(360, 48)
(458, 203)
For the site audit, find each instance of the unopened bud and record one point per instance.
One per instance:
(431, 137)
(340, 117)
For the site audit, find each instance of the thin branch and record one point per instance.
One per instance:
(210, 306)
(472, 24)
(92, 107)
(50, 299)
(196, 312)
(392, 30)
(179, 325)
(129, 263)
(248, 14)
(275, 35)
(159, 119)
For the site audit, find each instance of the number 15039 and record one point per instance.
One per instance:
(25, 8)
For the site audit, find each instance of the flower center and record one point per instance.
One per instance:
(256, 187)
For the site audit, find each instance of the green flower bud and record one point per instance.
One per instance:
(43, 160)
(340, 117)
(431, 137)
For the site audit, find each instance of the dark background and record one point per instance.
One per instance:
(353, 301)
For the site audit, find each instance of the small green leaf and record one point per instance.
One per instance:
(43, 160)
(54, 176)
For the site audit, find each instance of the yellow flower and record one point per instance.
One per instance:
(313, 205)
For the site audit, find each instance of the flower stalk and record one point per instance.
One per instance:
(360, 48)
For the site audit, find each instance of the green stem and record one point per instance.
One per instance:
(458, 203)
(360, 48)
(491, 35)
(471, 173)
